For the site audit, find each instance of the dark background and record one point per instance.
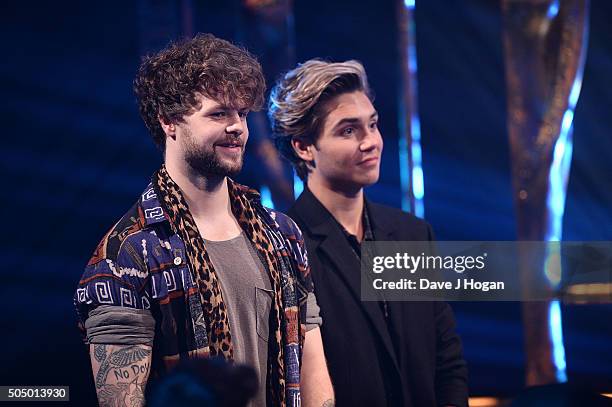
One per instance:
(76, 155)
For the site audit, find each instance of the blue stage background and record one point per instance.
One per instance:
(76, 156)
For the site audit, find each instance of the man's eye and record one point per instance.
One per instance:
(243, 113)
(218, 114)
(373, 125)
(348, 131)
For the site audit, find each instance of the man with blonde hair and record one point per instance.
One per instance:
(378, 353)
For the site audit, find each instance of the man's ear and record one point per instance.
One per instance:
(303, 149)
(168, 127)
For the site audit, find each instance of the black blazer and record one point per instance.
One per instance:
(417, 361)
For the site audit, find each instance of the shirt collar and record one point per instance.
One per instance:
(153, 211)
(151, 208)
(368, 234)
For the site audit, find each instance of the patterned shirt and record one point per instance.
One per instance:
(140, 264)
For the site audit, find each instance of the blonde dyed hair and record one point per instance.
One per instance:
(297, 107)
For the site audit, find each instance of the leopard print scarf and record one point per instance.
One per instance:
(248, 213)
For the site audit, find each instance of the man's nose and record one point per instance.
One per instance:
(236, 125)
(371, 141)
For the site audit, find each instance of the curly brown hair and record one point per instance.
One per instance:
(168, 83)
(298, 102)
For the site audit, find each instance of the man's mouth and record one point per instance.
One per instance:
(369, 161)
(230, 144)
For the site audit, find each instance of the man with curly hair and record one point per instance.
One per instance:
(379, 353)
(198, 267)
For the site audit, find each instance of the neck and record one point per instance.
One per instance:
(205, 195)
(345, 204)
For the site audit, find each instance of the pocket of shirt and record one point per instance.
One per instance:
(263, 306)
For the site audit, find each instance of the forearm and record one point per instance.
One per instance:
(120, 373)
(316, 386)
(318, 396)
(317, 390)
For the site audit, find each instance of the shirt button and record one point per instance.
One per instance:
(177, 261)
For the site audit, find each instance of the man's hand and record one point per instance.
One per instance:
(316, 386)
(120, 373)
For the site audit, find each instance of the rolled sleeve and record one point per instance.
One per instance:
(109, 324)
(313, 313)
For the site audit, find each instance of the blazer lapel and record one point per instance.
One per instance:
(331, 241)
(387, 228)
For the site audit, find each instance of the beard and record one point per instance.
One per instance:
(206, 162)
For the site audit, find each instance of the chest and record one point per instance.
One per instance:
(218, 228)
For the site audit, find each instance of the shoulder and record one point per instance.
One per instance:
(390, 212)
(286, 224)
(293, 235)
(410, 226)
(125, 256)
(138, 260)
(112, 246)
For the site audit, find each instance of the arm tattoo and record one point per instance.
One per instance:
(113, 394)
(328, 403)
(126, 386)
(118, 359)
(137, 396)
(99, 352)
(127, 356)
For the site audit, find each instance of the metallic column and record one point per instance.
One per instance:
(544, 44)
(411, 170)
